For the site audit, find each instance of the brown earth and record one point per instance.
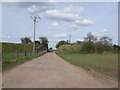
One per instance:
(50, 71)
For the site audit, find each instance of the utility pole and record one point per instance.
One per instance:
(34, 34)
(35, 20)
(69, 38)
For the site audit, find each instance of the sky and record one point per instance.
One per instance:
(59, 20)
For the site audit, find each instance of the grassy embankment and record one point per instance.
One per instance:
(106, 63)
(15, 54)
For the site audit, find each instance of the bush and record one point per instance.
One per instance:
(99, 48)
(70, 48)
(61, 43)
(88, 47)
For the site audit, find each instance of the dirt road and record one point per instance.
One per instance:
(50, 71)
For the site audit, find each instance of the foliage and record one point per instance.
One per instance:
(13, 47)
(78, 42)
(51, 48)
(91, 44)
(26, 40)
(116, 49)
(88, 47)
(61, 43)
(70, 48)
(13, 54)
(43, 40)
(12, 63)
(90, 37)
(37, 42)
(106, 41)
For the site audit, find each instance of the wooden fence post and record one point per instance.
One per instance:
(25, 53)
(30, 53)
(16, 54)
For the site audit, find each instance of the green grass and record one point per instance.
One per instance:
(7, 64)
(100, 63)
(14, 54)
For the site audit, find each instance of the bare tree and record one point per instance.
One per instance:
(90, 37)
(106, 41)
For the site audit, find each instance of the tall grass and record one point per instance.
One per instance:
(14, 54)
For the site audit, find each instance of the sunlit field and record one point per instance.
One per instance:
(106, 63)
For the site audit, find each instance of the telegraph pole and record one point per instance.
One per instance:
(34, 34)
(35, 20)
(69, 38)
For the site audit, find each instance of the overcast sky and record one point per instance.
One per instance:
(59, 20)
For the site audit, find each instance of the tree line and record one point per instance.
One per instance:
(92, 44)
(42, 40)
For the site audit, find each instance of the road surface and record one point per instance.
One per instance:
(50, 71)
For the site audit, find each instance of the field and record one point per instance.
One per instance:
(14, 54)
(103, 63)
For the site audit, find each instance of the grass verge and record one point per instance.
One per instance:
(7, 65)
(106, 64)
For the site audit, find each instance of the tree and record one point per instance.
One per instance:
(106, 41)
(43, 40)
(26, 40)
(99, 48)
(104, 44)
(51, 48)
(88, 47)
(115, 48)
(61, 43)
(37, 42)
(90, 37)
(79, 42)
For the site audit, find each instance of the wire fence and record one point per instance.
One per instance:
(18, 54)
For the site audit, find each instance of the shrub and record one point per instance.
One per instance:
(88, 47)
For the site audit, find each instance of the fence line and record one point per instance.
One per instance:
(18, 54)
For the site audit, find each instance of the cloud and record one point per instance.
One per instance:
(32, 7)
(79, 39)
(54, 26)
(74, 20)
(28, 1)
(104, 31)
(72, 9)
(54, 40)
(68, 14)
(4, 38)
(40, 7)
(72, 26)
(77, 24)
(47, 9)
(60, 36)
(62, 16)
(101, 33)
(57, 37)
(83, 22)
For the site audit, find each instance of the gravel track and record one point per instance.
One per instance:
(50, 71)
